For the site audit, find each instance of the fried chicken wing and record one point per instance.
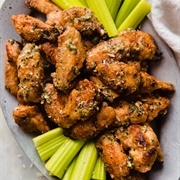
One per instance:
(33, 29)
(143, 146)
(113, 156)
(143, 110)
(119, 76)
(54, 103)
(81, 104)
(30, 119)
(149, 84)
(82, 19)
(13, 49)
(69, 59)
(103, 90)
(129, 45)
(30, 74)
(93, 126)
(44, 6)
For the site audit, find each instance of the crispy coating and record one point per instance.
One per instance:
(54, 103)
(33, 29)
(113, 156)
(129, 45)
(93, 126)
(119, 76)
(30, 119)
(143, 110)
(44, 6)
(143, 145)
(149, 84)
(82, 19)
(103, 90)
(69, 58)
(31, 74)
(13, 49)
(81, 104)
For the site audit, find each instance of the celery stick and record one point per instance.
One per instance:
(58, 163)
(113, 7)
(70, 168)
(66, 4)
(99, 7)
(136, 16)
(125, 10)
(43, 138)
(99, 172)
(83, 2)
(85, 162)
(46, 150)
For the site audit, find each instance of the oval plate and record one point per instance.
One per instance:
(165, 70)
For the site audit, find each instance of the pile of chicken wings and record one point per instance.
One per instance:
(67, 72)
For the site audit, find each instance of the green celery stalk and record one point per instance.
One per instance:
(70, 168)
(66, 4)
(43, 138)
(47, 149)
(125, 10)
(99, 172)
(85, 162)
(136, 16)
(59, 162)
(113, 7)
(99, 7)
(83, 2)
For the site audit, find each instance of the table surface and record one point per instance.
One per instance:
(14, 165)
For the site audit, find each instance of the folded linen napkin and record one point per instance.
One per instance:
(165, 16)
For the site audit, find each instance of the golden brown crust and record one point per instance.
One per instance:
(30, 119)
(30, 74)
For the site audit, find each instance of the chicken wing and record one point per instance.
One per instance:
(113, 155)
(93, 126)
(119, 76)
(142, 144)
(81, 104)
(69, 58)
(44, 6)
(149, 84)
(13, 49)
(30, 119)
(136, 45)
(54, 103)
(82, 19)
(33, 29)
(143, 110)
(30, 74)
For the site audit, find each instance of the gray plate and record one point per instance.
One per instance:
(165, 70)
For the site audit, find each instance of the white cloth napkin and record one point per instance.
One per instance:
(165, 16)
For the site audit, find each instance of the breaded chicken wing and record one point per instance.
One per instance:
(149, 84)
(119, 76)
(33, 29)
(143, 110)
(31, 74)
(82, 19)
(129, 45)
(142, 144)
(81, 104)
(113, 155)
(54, 103)
(93, 126)
(69, 58)
(44, 6)
(30, 119)
(13, 49)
